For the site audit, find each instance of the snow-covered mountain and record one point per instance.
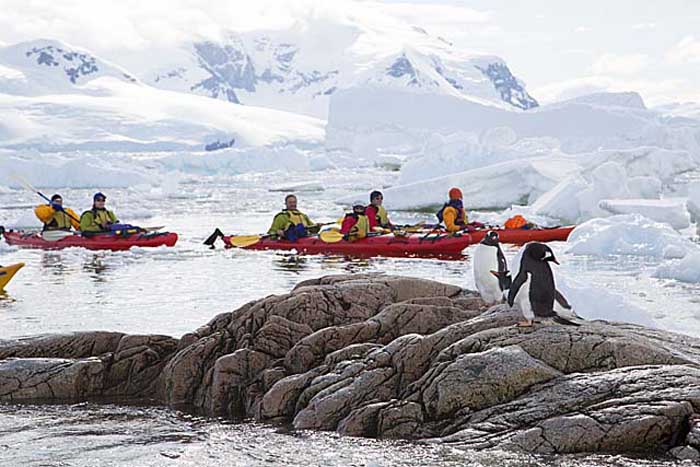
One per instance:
(299, 68)
(52, 67)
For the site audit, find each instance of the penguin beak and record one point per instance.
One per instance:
(554, 260)
(495, 273)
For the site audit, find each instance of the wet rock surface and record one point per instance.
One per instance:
(393, 357)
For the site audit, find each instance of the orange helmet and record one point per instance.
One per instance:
(455, 193)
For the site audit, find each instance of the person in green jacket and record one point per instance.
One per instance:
(290, 223)
(98, 219)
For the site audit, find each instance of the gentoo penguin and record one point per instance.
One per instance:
(491, 274)
(533, 289)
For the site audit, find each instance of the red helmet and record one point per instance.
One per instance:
(455, 193)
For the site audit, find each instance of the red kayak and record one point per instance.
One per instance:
(522, 236)
(438, 245)
(97, 242)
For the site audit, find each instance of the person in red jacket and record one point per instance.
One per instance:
(355, 224)
(376, 214)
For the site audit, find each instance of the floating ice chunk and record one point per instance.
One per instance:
(578, 198)
(562, 202)
(495, 186)
(300, 187)
(629, 234)
(597, 303)
(694, 200)
(671, 211)
(684, 270)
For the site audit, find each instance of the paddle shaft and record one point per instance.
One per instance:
(28, 186)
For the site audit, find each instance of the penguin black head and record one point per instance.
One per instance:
(491, 238)
(540, 252)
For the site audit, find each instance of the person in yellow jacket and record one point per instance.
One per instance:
(291, 223)
(98, 219)
(55, 216)
(452, 213)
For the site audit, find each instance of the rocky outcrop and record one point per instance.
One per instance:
(393, 357)
(82, 366)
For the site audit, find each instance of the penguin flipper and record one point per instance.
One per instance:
(520, 279)
(565, 308)
(561, 300)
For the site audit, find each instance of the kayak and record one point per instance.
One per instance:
(523, 236)
(97, 242)
(438, 244)
(7, 272)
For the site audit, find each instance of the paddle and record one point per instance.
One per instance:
(242, 241)
(331, 236)
(25, 183)
(55, 235)
(334, 236)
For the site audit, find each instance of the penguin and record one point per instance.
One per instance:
(533, 289)
(491, 274)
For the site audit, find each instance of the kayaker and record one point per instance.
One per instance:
(291, 223)
(452, 213)
(98, 219)
(355, 224)
(376, 214)
(55, 216)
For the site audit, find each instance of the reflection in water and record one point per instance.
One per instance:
(53, 263)
(96, 267)
(290, 262)
(5, 298)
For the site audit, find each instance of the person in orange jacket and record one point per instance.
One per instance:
(55, 216)
(452, 213)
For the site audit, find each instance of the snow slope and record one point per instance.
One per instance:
(57, 97)
(402, 122)
(51, 67)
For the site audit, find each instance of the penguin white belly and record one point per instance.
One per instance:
(485, 261)
(522, 300)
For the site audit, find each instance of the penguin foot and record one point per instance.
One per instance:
(525, 324)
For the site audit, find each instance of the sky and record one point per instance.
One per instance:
(560, 48)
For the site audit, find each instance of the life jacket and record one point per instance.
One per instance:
(355, 226)
(55, 220)
(515, 222)
(456, 204)
(377, 216)
(295, 217)
(99, 217)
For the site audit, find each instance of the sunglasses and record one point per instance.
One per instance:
(97, 200)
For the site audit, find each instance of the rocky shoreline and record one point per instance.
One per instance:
(393, 357)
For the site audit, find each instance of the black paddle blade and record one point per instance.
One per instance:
(212, 238)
